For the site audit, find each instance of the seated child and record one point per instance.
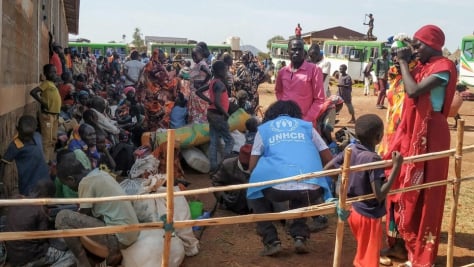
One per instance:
(251, 126)
(179, 112)
(184, 72)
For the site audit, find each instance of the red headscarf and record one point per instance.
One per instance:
(128, 89)
(432, 36)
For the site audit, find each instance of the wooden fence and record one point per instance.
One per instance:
(325, 208)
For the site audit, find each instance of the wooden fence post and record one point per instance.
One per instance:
(169, 197)
(456, 188)
(342, 205)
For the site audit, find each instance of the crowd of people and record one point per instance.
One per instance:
(93, 111)
(91, 121)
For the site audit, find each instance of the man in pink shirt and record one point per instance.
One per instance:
(301, 82)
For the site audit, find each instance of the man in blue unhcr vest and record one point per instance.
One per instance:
(285, 145)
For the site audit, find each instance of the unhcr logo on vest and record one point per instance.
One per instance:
(284, 130)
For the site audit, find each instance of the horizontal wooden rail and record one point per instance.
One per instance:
(368, 166)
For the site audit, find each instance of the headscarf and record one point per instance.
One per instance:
(83, 93)
(432, 36)
(128, 89)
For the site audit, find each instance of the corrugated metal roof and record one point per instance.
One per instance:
(338, 32)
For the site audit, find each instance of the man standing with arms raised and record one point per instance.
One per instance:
(301, 82)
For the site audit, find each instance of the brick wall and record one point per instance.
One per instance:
(23, 52)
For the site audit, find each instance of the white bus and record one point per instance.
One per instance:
(354, 54)
(466, 63)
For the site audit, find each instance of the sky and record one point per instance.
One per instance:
(256, 21)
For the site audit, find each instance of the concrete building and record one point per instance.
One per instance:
(24, 50)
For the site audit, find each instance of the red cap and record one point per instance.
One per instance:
(432, 36)
(244, 154)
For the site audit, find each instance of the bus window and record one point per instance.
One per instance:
(97, 52)
(122, 51)
(355, 55)
(186, 52)
(468, 50)
(343, 52)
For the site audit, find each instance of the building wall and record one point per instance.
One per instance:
(24, 50)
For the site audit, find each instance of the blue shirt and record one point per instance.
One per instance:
(288, 151)
(178, 117)
(29, 160)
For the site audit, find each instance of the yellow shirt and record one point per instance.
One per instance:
(50, 95)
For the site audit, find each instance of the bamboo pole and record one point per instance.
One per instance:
(361, 167)
(169, 197)
(456, 188)
(342, 205)
(400, 190)
(250, 218)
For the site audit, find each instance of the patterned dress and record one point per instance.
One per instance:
(196, 106)
(155, 95)
(395, 97)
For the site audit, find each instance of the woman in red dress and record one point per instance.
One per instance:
(423, 129)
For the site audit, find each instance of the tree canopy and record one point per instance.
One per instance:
(138, 41)
(273, 39)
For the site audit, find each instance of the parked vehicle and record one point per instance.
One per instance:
(466, 63)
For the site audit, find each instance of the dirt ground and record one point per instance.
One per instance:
(238, 244)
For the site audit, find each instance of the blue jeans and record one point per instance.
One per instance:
(218, 127)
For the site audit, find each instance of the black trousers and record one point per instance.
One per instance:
(296, 199)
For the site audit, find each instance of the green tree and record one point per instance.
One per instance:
(261, 56)
(138, 41)
(273, 39)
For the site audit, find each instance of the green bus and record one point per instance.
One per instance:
(354, 54)
(279, 52)
(99, 49)
(186, 49)
(466, 63)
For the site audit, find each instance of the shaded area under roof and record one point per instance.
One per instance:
(71, 8)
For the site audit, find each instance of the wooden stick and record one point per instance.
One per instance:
(367, 166)
(250, 218)
(169, 197)
(456, 188)
(342, 205)
(371, 196)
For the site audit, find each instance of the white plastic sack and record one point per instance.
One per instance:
(196, 159)
(239, 140)
(181, 213)
(148, 164)
(147, 251)
(146, 209)
(150, 210)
